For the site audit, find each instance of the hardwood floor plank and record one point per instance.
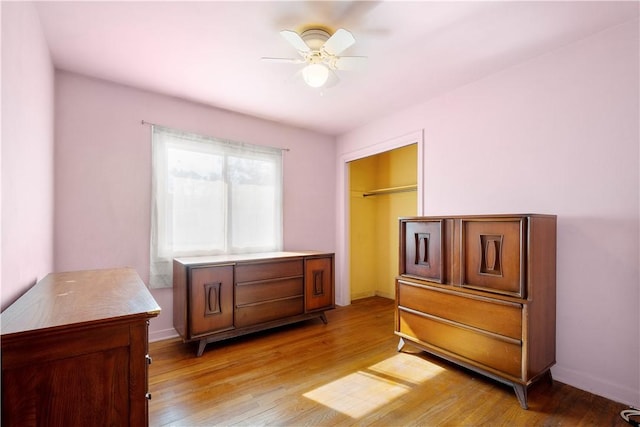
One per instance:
(346, 373)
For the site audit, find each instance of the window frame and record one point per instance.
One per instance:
(162, 241)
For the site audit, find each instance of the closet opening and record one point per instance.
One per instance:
(383, 187)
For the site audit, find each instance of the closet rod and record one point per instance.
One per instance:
(391, 190)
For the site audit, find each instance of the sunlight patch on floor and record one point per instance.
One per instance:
(364, 391)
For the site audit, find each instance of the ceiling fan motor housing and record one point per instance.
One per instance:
(315, 38)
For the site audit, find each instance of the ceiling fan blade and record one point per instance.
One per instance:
(284, 60)
(338, 42)
(295, 40)
(333, 79)
(349, 62)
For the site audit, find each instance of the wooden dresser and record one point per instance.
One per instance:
(220, 297)
(480, 291)
(74, 351)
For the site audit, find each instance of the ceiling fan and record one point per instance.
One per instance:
(321, 52)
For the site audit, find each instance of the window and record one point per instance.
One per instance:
(211, 197)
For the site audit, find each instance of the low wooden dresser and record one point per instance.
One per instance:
(480, 291)
(74, 351)
(220, 297)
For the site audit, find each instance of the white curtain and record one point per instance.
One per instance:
(210, 197)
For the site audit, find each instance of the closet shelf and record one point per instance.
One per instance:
(390, 190)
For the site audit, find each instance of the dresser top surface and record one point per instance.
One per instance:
(478, 217)
(64, 300)
(234, 258)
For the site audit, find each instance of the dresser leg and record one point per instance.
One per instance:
(521, 394)
(201, 345)
(401, 344)
(323, 317)
(549, 377)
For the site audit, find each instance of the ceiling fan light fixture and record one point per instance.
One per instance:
(315, 75)
(320, 51)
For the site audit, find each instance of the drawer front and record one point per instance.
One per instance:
(423, 250)
(254, 314)
(268, 290)
(210, 299)
(490, 351)
(494, 255)
(249, 272)
(499, 317)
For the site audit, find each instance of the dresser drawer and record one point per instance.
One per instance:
(250, 272)
(249, 293)
(500, 317)
(253, 314)
(504, 355)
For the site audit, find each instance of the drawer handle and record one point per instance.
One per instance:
(149, 359)
(148, 396)
(422, 249)
(318, 282)
(212, 300)
(491, 257)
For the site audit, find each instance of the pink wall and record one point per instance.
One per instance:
(557, 134)
(27, 152)
(103, 175)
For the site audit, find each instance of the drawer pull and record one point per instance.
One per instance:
(491, 256)
(149, 359)
(148, 396)
(422, 249)
(212, 304)
(318, 282)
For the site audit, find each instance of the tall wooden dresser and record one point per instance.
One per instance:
(480, 291)
(74, 351)
(220, 297)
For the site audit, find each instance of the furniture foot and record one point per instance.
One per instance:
(323, 317)
(549, 377)
(401, 344)
(521, 394)
(201, 346)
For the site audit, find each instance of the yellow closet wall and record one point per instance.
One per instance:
(374, 219)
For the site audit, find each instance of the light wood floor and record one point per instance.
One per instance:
(346, 373)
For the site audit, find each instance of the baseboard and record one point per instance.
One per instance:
(385, 295)
(164, 334)
(586, 382)
(361, 295)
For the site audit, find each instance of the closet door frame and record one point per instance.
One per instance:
(343, 289)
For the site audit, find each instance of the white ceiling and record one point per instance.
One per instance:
(210, 52)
